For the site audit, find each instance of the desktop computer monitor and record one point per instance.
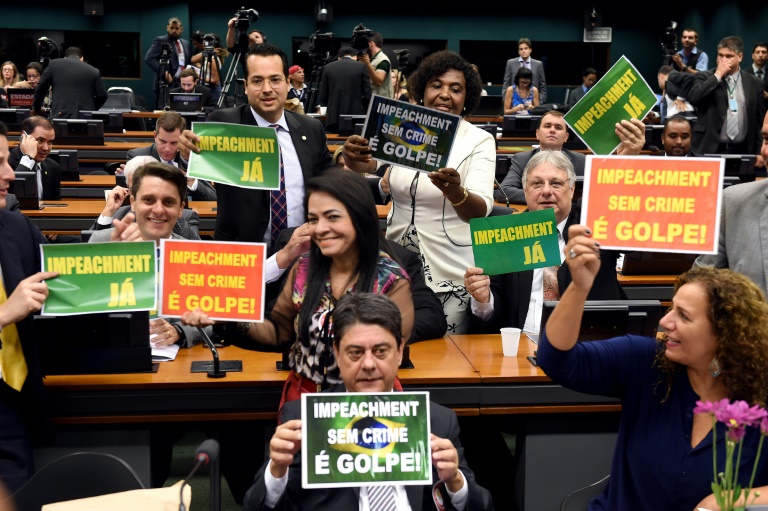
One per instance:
(113, 121)
(347, 124)
(603, 319)
(186, 101)
(99, 343)
(79, 131)
(739, 168)
(67, 160)
(24, 187)
(13, 117)
(520, 125)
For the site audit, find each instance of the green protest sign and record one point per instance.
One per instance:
(409, 135)
(354, 439)
(621, 94)
(238, 155)
(100, 277)
(510, 243)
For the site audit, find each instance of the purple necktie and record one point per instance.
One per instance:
(277, 202)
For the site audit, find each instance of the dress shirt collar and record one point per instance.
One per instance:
(265, 123)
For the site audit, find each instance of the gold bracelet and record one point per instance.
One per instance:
(462, 201)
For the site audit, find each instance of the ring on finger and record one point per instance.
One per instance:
(445, 184)
(572, 254)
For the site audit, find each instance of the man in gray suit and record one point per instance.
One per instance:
(742, 246)
(524, 49)
(157, 199)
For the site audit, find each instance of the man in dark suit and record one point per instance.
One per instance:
(676, 136)
(369, 349)
(730, 105)
(345, 88)
(74, 85)
(189, 83)
(23, 412)
(179, 55)
(588, 79)
(165, 149)
(552, 133)
(539, 81)
(758, 67)
(244, 214)
(515, 299)
(31, 154)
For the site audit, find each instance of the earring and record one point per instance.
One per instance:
(714, 368)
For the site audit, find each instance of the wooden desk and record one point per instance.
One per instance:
(90, 186)
(110, 151)
(648, 287)
(78, 214)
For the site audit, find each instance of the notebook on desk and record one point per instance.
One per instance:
(186, 101)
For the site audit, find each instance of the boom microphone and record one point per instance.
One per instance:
(207, 452)
(506, 199)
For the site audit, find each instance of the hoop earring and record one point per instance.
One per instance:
(714, 368)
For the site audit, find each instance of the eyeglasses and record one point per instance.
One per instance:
(555, 184)
(258, 83)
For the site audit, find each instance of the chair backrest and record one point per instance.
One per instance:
(112, 167)
(579, 499)
(76, 476)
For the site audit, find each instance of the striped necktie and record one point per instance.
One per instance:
(12, 361)
(277, 203)
(382, 498)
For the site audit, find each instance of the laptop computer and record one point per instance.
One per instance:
(21, 98)
(186, 102)
(490, 106)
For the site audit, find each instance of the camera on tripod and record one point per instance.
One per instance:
(360, 36)
(321, 45)
(209, 42)
(245, 17)
(402, 57)
(669, 43)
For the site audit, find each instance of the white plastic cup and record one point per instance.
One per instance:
(510, 341)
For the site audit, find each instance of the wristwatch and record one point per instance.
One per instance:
(685, 68)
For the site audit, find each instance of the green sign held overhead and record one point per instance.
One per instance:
(621, 94)
(353, 439)
(510, 243)
(233, 154)
(100, 277)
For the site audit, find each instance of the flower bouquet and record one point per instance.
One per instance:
(736, 416)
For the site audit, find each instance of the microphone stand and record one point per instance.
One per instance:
(218, 369)
(506, 198)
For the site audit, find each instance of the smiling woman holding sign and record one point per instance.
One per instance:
(431, 211)
(714, 348)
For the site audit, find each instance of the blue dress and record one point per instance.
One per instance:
(518, 100)
(654, 465)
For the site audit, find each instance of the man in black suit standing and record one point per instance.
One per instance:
(244, 214)
(31, 154)
(758, 67)
(188, 82)
(345, 88)
(74, 84)
(22, 292)
(179, 54)
(730, 105)
(516, 299)
(369, 349)
(165, 149)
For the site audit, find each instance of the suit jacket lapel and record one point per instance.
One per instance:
(11, 266)
(299, 138)
(415, 496)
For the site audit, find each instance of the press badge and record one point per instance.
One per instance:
(733, 105)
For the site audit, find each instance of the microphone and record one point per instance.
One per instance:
(506, 198)
(207, 452)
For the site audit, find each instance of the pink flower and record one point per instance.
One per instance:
(709, 406)
(739, 414)
(764, 426)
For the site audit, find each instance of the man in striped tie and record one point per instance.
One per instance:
(368, 348)
(22, 293)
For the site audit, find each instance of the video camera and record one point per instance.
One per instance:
(321, 45)
(669, 43)
(402, 57)
(245, 17)
(360, 36)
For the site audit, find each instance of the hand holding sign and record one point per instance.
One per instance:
(582, 254)
(284, 444)
(357, 153)
(477, 284)
(196, 318)
(445, 459)
(631, 133)
(28, 297)
(188, 142)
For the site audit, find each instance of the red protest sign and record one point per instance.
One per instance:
(654, 204)
(224, 279)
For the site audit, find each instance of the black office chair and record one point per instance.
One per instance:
(111, 167)
(76, 476)
(579, 500)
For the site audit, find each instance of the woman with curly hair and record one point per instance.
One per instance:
(431, 211)
(714, 347)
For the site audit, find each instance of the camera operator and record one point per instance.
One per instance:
(690, 59)
(178, 57)
(210, 62)
(254, 36)
(377, 62)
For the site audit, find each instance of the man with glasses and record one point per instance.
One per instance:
(515, 299)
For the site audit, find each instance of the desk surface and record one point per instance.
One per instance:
(485, 354)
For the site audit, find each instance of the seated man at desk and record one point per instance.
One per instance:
(158, 192)
(552, 133)
(166, 150)
(516, 299)
(31, 154)
(188, 226)
(368, 348)
(676, 136)
(189, 84)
